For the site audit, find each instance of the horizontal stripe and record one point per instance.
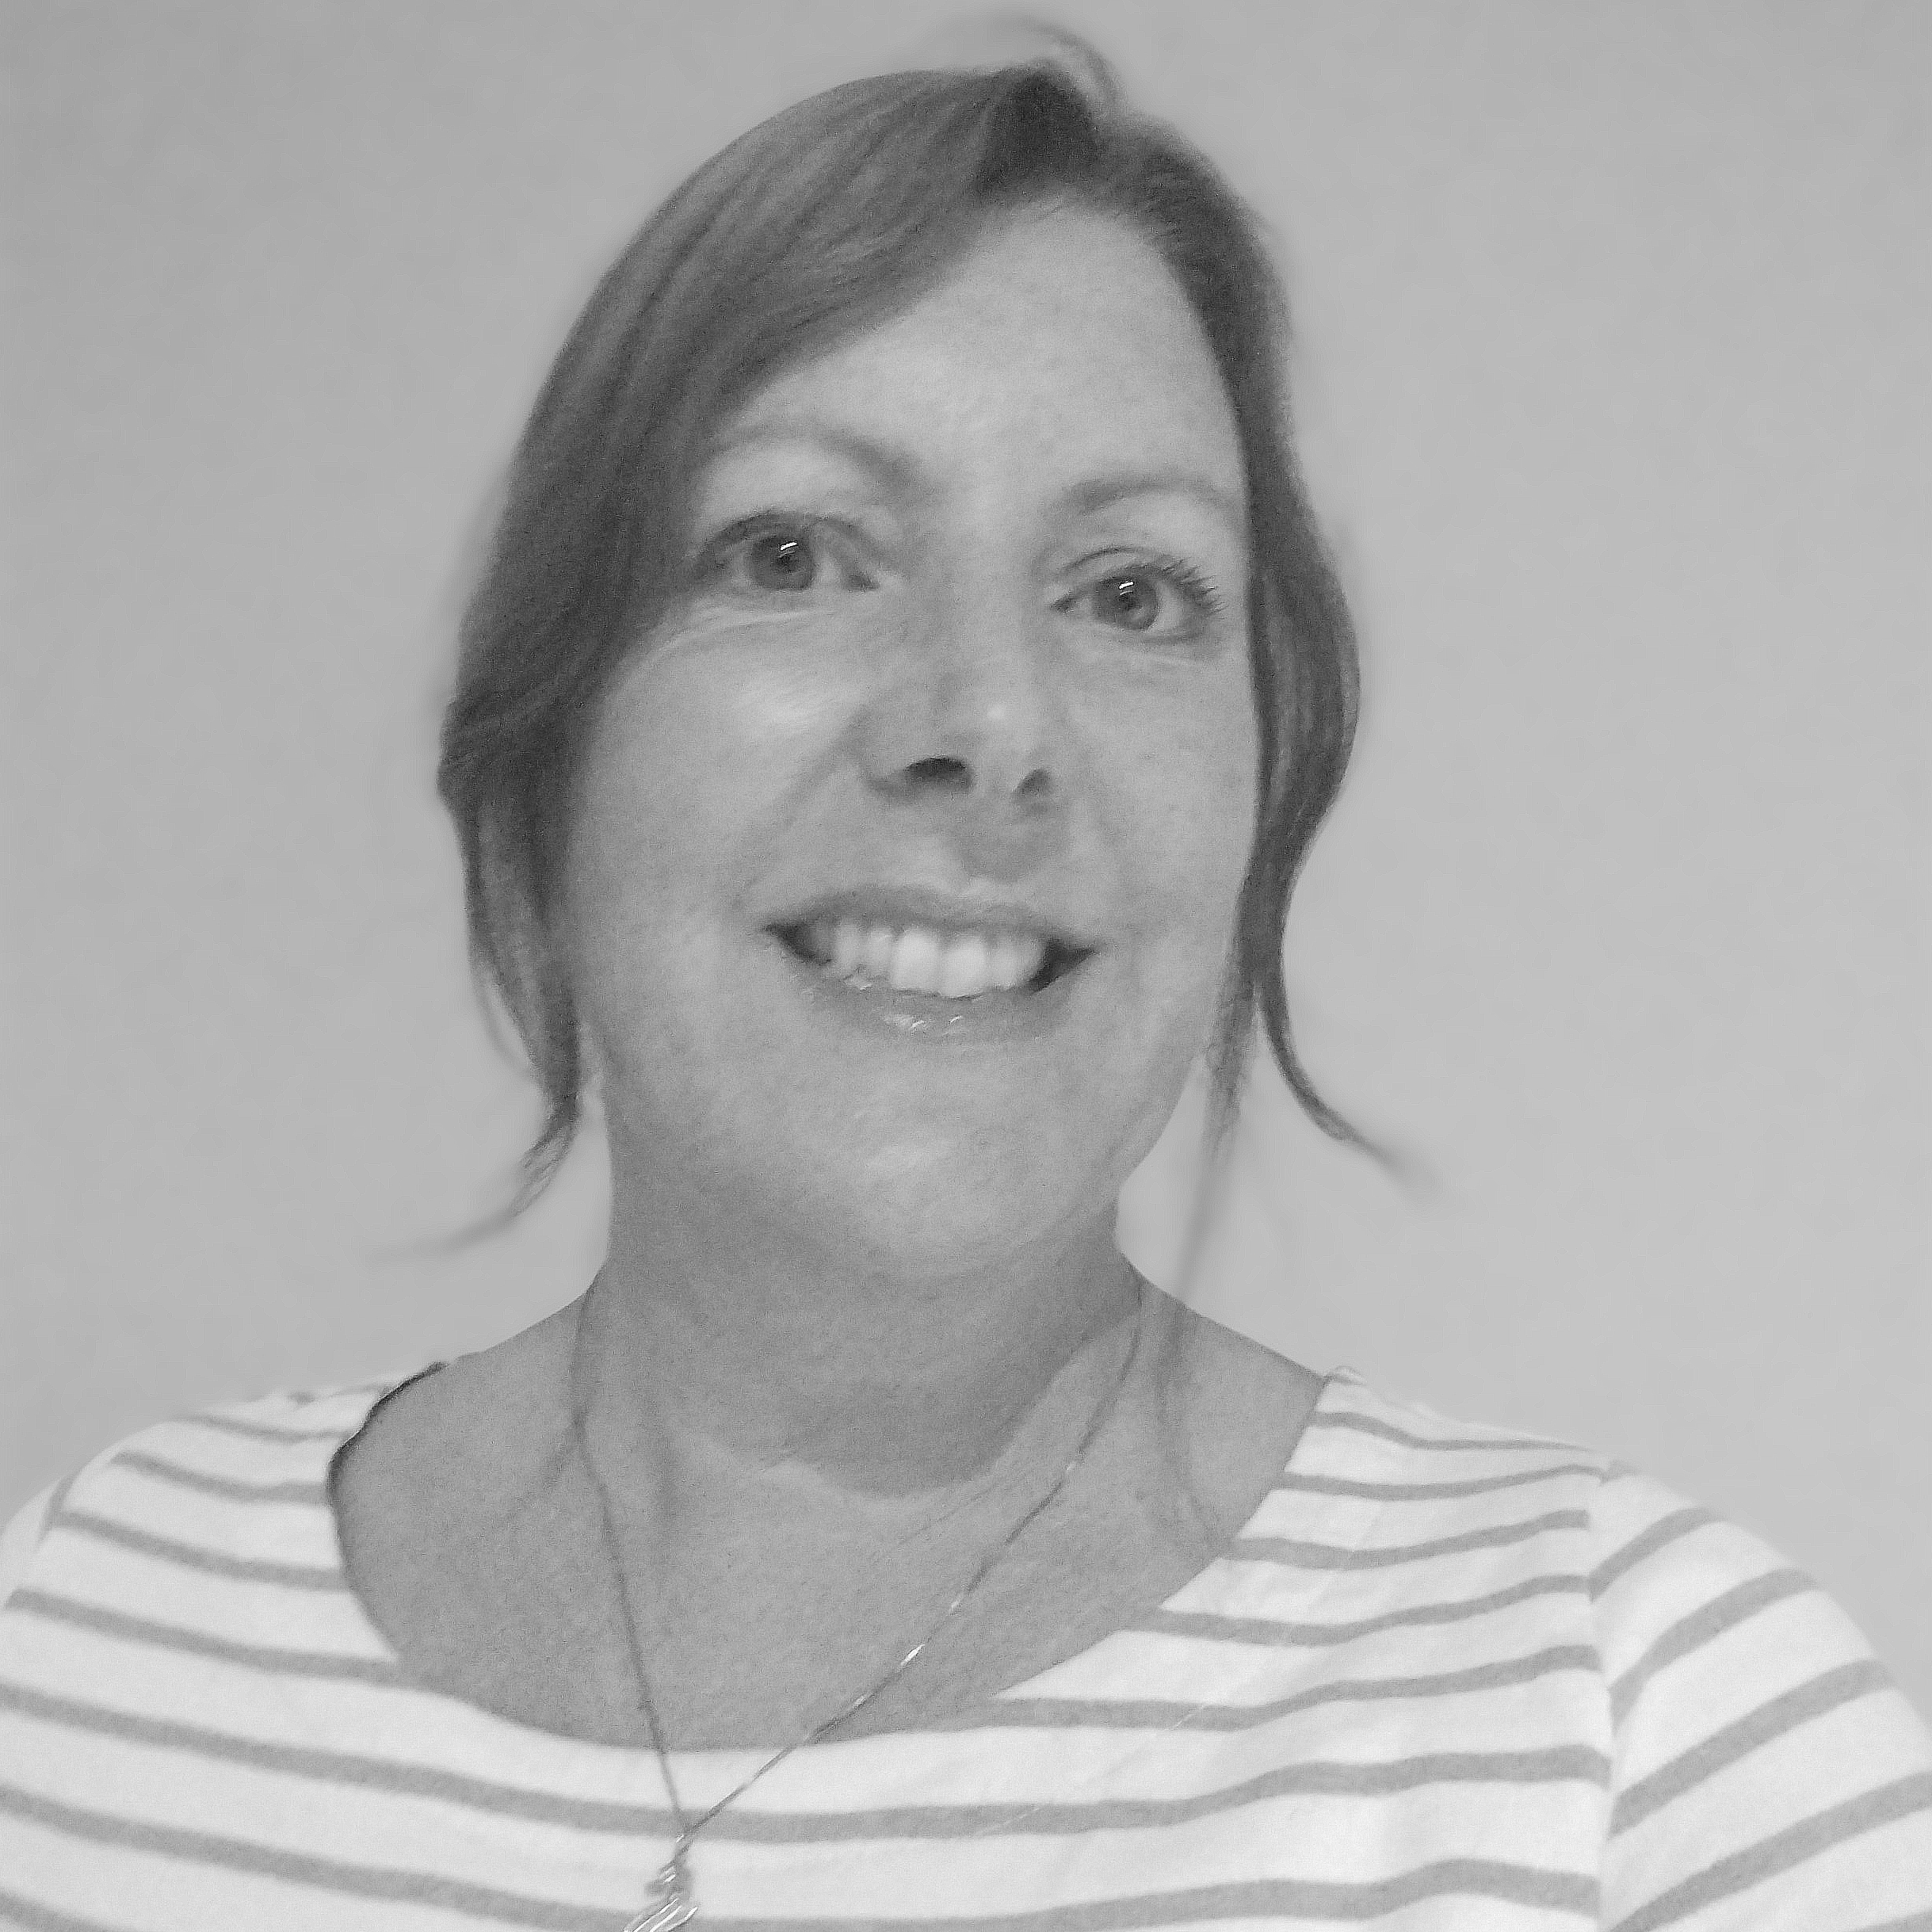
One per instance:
(23, 1913)
(1465, 1878)
(1702, 1626)
(260, 1432)
(998, 1713)
(327, 1875)
(226, 1487)
(1561, 1764)
(1264, 1630)
(212, 1562)
(1392, 1432)
(1772, 1720)
(1279, 1898)
(1358, 1556)
(121, 1625)
(1428, 1492)
(1565, 1764)
(1186, 1714)
(1660, 1535)
(379, 1774)
(1783, 1851)
(389, 1774)
(422, 1781)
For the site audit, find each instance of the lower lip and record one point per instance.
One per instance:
(988, 1018)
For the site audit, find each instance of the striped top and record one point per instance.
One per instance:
(1446, 1678)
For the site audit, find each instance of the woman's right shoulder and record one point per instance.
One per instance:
(262, 1448)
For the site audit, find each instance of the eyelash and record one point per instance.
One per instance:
(1197, 589)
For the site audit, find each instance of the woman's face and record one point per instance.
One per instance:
(961, 672)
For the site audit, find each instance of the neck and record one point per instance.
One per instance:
(717, 1349)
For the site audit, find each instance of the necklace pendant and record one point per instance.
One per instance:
(672, 1904)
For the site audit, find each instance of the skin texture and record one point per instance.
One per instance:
(863, 1295)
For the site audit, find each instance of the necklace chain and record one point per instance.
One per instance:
(674, 1904)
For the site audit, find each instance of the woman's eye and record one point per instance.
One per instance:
(1134, 603)
(762, 557)
(1171, 601)
(776, 562)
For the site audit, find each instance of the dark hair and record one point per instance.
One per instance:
(820, 221)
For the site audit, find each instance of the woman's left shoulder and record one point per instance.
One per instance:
(1764, 1768)
(1667, 1578)
(1764, 1756)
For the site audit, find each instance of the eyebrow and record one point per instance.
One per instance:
(901, 475)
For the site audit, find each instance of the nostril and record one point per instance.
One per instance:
(952, 772)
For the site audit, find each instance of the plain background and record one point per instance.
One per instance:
(1612, 360)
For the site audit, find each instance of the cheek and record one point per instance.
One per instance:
(677, 789)
(693, 757)
(1193, 792)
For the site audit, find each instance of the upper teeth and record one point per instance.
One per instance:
(921, 959)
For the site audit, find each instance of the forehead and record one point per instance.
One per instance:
(1060, 347)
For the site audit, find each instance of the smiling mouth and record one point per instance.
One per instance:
(941, 962)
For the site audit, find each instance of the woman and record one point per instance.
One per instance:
(902, 691)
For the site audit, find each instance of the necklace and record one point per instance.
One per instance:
(673, 1902)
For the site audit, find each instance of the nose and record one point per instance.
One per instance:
(967, 738)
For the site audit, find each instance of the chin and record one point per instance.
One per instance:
(932, 1207)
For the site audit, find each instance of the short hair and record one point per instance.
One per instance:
(819, 222)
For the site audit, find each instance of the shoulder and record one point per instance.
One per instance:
(1692, 1610)
(1764, 1760)
(235, 1479)
(1429, 1480)
(1426, 1441)
(1763, 1768)
(1677, 1593)
(1448, 1537)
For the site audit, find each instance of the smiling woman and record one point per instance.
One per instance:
(902, 691)
(757, 421)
